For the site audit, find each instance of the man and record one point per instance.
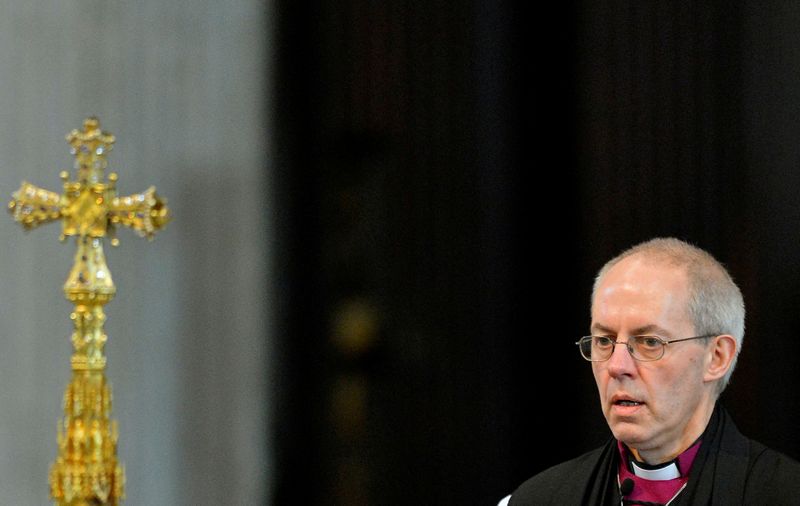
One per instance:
(667, 327)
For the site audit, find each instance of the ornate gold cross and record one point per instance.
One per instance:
(87, 471)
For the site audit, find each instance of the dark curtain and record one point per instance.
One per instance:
(451, 176)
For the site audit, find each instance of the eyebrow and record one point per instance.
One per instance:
(639, 331)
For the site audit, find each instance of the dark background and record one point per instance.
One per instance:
(452, 175)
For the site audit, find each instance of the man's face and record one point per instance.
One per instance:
(658, 408)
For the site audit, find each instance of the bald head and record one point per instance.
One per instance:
(715, 304)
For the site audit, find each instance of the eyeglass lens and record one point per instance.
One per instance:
(599, 348)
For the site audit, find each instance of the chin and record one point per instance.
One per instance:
(630, 434)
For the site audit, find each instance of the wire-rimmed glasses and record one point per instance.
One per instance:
(641, 348)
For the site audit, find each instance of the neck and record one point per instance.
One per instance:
(691, 433)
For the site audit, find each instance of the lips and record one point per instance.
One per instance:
(625, 400)
(625, 407)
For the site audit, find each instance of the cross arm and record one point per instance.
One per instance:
(33, 206)
(145, 212)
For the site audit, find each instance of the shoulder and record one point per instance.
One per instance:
(557, 481)
(771, 476)
(761, 474)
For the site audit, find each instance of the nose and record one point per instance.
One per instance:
(621, 362)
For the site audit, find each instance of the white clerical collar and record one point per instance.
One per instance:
(667, 472)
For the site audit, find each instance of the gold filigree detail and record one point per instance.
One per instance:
(86, 471)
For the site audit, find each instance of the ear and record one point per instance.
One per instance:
(721, 352)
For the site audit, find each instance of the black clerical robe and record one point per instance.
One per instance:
(729, 469)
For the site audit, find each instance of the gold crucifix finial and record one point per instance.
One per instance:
(87, 471)
(90, 147)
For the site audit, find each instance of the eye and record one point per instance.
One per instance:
(649, 342)
(603, 341)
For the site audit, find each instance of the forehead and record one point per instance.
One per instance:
(640, 291)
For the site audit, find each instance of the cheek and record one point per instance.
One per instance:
(677, 388)
(597, 372)
(600, 378)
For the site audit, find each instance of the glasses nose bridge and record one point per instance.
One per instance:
(628, 346)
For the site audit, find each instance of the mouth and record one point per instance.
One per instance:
(626, 401)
